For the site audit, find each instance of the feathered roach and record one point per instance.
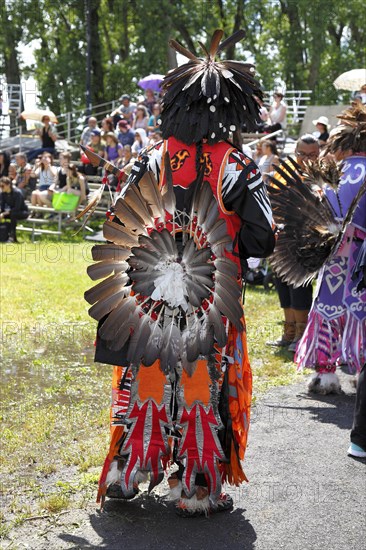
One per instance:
(209, 98)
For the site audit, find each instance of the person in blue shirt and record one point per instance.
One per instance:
(126, 135)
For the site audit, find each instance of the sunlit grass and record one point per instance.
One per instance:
(55, 399)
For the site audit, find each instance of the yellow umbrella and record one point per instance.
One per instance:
(38, 114)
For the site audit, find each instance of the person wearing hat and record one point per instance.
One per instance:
(113, 148)
(125, 111)
(126, 135)
(322, 129)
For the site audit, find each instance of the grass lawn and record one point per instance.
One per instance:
(54, 398)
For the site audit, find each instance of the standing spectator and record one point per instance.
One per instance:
(23, 176)
(47, 175)
(277, 113)
(124, 111)
(149, 100)
(114, 149)
(1, 103)
(48, 137)
(139, 143)
(86, 133)
(141, 118)
(155, 120)
(13, 207)
(296, 302)
(322, 129)
(126, 135)
(4, 163)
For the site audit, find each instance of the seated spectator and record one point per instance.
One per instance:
(361, 95)
(113, 149)
(70, 180)
(65, 159)
(124, 111)
(96, 146)
(4, 163)
(149, 100)
(139, 143)
(126, 136)
(322, 130)
(12, 173)
(269, 159)
(86, 133)
(258, 154)
(47, 175)
(155, 120)
(12, 206)
(48, 137)
(277, 114)
(107, 127)
(141, 118)
(24, 181)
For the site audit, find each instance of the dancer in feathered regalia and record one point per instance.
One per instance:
(325, 231)
(170, 311)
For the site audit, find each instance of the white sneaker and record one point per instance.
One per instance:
(356, 450)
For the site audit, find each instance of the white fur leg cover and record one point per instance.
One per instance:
(324, 383)
(114, 474)
(175, 492)
(195, 505)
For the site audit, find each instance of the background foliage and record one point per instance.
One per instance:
(301, 44)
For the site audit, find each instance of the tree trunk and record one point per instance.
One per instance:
(96, 55)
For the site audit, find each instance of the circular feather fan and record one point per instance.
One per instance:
(169, 288)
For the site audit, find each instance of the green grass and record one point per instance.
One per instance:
(55, 399)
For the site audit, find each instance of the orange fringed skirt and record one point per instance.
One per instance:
(196, 388)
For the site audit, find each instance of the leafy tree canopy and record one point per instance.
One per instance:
(303, 44)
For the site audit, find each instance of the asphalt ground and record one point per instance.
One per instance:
(304, 492)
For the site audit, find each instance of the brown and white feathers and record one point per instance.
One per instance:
(309, 232)
(209, 98)
(169, 290)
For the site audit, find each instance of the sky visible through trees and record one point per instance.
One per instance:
(297, 43)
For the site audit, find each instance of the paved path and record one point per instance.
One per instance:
(304, 492)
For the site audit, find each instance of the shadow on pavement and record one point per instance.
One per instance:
(339, 409)
(150, 522)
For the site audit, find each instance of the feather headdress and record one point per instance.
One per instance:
(351, 134)
(206, 98)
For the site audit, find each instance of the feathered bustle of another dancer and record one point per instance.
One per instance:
(351, 134)
(309, 232)
(322, 172)
(205, 98)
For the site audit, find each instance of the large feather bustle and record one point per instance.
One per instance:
(309, 232)
(205, 98)
(146, 315)
(351, 133)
